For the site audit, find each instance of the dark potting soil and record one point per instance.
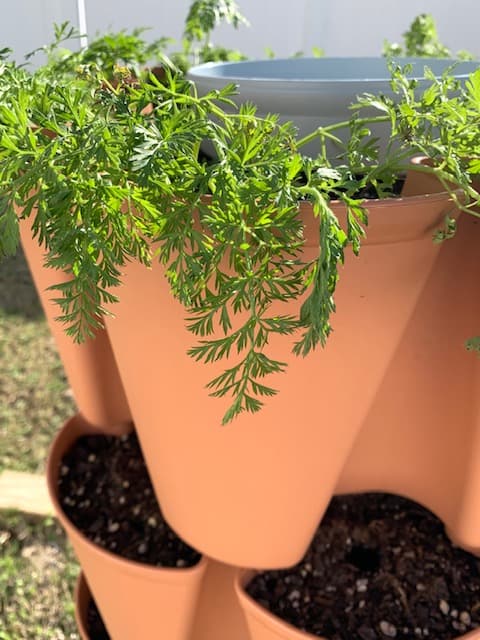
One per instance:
(379, 567)
(105, 490)
(95, 627)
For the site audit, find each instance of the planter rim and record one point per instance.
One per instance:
(380, 203)
(285, 629)
(393, 220)
(270, 621)
(72, 429)
(404, 201)
(320, 72)
(411, 226)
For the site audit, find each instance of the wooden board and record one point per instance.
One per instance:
(25, 492)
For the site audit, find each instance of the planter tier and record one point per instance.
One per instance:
(219, 616)
(136, 600)
(218, 622)
(90, 367)
(207, 602)
(391, 403)
(262, 625)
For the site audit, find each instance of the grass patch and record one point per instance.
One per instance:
(37, 575)
(37, 567)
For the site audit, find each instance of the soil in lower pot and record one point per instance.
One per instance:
(379, 567)
(105, 490)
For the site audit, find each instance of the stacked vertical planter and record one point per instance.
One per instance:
(232, 489)
(390, 404)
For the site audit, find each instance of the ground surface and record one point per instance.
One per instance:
(37, 572)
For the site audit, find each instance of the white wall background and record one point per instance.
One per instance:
(358, 27)
(341, 27)
(28, 24)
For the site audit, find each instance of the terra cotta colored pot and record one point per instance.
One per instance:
(219, 615)
(393, 379)
(90, 367)
(135, 600)
(263, 625)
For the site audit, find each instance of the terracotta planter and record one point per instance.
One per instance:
(135, 600)
(219, 615)
(421, 438)
(427, 182)
(263, 625)
(395, 364)
(90, 367)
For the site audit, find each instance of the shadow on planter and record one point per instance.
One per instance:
(135, 600)
(421, 434)
(83, 600)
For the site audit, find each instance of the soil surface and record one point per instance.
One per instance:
(379, 567)
(105, 490)
(95, 627)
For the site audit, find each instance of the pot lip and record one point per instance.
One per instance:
(378, 203)
(71, 430)
(282, 628)
(236, 71)
(391, 220)
(405, 201)
(262, 615)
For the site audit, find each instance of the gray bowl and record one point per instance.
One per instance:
(313, 92)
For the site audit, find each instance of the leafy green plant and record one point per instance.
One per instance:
(202, 18)
(422, 40)
(126, 52)
(112, 169)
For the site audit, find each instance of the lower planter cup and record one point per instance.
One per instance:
(379, 567)
(135, 600)
(83, 613)
(219, 615)
(262, 625)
